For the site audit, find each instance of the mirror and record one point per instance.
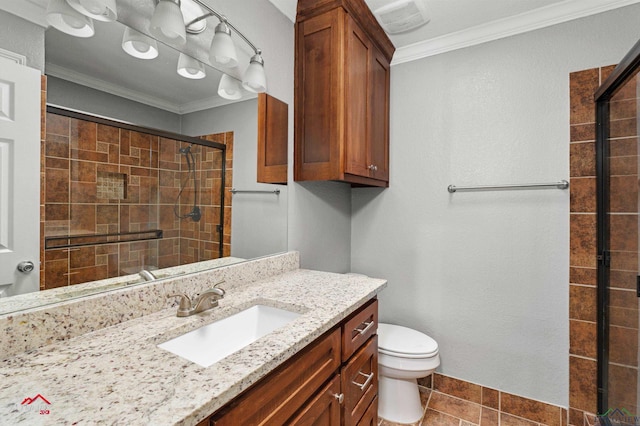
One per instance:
(96, 77)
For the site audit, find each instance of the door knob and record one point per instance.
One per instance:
(26, 266)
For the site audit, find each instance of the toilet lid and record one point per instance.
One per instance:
(405, 342)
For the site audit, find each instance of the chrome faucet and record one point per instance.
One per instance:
(204, 301)
(147, 275)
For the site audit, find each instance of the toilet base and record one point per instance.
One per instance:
(399, 400)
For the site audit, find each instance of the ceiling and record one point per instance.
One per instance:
(454, 24)
(457, 24)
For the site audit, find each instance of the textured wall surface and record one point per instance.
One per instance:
(485, 274)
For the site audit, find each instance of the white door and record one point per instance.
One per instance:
(19, 178)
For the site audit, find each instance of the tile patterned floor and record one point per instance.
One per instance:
(446, 410)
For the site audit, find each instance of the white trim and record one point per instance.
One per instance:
(287, 7)
(98, 84)
(528, 21)
(26, 9)
(213, 102)
(14, 57)
(105, 86)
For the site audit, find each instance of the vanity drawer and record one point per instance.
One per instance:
(276, 398)
(357, 330)
(360, 382)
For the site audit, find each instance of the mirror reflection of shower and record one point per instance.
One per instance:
(195, 213)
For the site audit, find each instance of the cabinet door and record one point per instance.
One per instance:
(370, 417)
(360, 382)
(280, 395)
(273, 139)
(357, 100)
(323, 409)
(318, 88)
(379, 116)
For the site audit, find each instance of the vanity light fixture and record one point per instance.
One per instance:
(100, 10)
(223, 51)
(167, 22)
(64, 18)
(139, 45)
(255, 79)
(190, 68)
(221, 54)
(229, 88)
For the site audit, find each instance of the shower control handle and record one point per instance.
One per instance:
(26, 266)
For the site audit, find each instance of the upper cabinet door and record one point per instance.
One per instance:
(273, 139)
(318, 86)
(357, 102)
(379, 116)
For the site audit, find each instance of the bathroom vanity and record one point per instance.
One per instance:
(333, 379)
(323, 364)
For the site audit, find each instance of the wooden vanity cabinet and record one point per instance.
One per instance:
(341, 94)
(317, 386)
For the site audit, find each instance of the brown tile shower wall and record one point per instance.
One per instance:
(100, 179)
(583, 248)
(212, 177)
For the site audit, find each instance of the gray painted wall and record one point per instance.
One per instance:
(485, 274)
(67, 94)
(258, 221)
(20, 36)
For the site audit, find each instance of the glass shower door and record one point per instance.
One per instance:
(618, 249)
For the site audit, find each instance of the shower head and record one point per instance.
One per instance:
(185, 150)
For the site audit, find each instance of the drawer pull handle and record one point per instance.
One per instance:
(339, 397)
(362, 386)
(367, 325)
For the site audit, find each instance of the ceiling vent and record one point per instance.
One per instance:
(402, 15)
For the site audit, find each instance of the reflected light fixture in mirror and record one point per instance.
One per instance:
(190, 68)
(255, 79)
(223, 51)
(167, 22)
(229, 88)
(64, 18)
(100, 10)
(139, 45)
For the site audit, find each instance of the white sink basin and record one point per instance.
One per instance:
(210, 343)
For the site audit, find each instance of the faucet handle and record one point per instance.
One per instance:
(221, 289)
(185, 302)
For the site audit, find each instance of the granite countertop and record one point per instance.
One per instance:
(118, 375)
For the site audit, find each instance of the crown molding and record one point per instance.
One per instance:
(26, 9)
(113, 89)
(213, 102)
(528, 21)
(105, 86)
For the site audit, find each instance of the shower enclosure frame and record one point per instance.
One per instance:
(626, 69)
(163, 134)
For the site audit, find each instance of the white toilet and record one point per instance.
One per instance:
(404, 355)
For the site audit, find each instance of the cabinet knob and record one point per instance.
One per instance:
(372, 167)
(339, 397)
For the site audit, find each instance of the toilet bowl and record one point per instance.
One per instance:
(404, 355)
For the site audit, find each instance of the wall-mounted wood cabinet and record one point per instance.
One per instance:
(273, 132)
(342, 94)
